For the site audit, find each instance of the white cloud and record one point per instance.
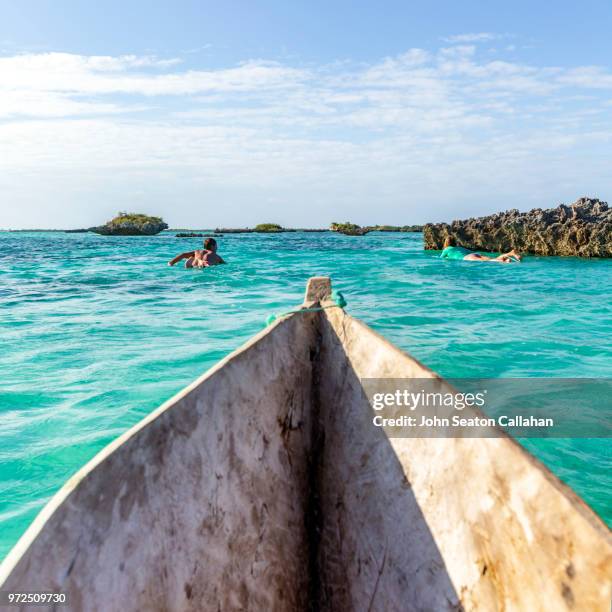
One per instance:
(592, 77)
(32, 65)
(470, 38)
(422, 126)
(51, 104)
(100, 75)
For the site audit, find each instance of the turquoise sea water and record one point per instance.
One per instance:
(97, 331)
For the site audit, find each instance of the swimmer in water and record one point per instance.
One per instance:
(452, 251)
(202, 258)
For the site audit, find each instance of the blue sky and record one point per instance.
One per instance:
(300, 113)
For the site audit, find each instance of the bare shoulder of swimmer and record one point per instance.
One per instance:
(212, 259)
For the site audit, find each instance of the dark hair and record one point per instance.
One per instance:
(210, 244)
(449, 241)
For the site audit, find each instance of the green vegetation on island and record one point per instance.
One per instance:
(351, 229)
(396, 228)
(131, 224)
(277, 229)
(269, 228)
(347, 228)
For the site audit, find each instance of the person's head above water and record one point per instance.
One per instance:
(449, 241)
(210, 244)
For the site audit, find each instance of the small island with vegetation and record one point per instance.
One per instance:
(348, 229)
(264, 228)
(269, 228)
(396, 228)
(351, 229)
(131, 224)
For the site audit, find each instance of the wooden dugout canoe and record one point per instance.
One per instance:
(263, 486)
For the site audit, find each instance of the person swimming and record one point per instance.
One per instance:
(202, 258)
(452, 251)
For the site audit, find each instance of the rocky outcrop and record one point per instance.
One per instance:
(350, 229)
(582, 229)
(131, 224)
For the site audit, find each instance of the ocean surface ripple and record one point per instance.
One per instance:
(97, 331)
